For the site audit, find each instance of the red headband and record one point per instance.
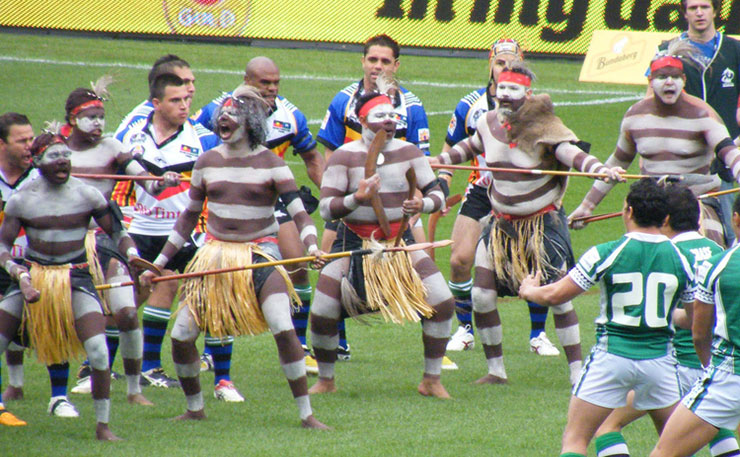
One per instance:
(56, 140)
(513, 77)
(373, 102)
(86, 105)
(666, 61)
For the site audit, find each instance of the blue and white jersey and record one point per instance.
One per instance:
(462, 125)
(341, 125)
(141, 111)
(286, 125)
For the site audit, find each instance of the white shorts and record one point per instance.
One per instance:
(607, 378)
(714, 398)
(687, 377)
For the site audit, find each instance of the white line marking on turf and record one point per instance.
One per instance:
(38, 60)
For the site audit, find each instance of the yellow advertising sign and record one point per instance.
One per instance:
(621, 57)
(542, 26)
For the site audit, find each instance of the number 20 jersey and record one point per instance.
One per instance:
(642, 277)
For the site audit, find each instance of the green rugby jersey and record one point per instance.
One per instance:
(718, 283)
(697, 249)
(642, 277)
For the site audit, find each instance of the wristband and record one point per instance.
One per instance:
(132, 252)
(9, 264)
(24, 275)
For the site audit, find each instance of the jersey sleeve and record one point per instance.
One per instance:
(303, 140)
(418, 126)
(456, 131)
(332, 131)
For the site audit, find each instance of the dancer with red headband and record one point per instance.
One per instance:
(673, 133)
(94, 153)
(527, 230)
(476, 206)
(353, 286)
(67, 320)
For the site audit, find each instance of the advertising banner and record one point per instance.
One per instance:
(560, 27)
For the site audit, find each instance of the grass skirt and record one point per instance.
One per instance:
(226, 304)
(392, 286)
(50, 321)
(517, 248)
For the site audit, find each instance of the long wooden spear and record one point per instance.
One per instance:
(124, 177)
(535, 171)
(336, 255)
(601, 217)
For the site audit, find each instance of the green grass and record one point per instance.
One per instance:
(377, 410)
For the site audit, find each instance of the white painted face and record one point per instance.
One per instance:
(510, 96)
(91, 124)
(230, 126)
(667, 84)
(380, 117)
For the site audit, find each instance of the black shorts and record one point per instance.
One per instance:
(556, 240)
(477, 205)
(149, 248)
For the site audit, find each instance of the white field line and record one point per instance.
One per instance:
(618, 96)
(38, 60)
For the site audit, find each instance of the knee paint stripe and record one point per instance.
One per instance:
(294, 370)
(437, 329)
(187, 370)
(569, 336)
(491, 336)
(327, 342)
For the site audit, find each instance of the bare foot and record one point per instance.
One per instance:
(13, 393)
(491, 379)
(432, 387)
(103, 433)
(138, 399)
(312, 422)
(192, 415)
(323, 386)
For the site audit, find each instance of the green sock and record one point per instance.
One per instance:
(611, 445)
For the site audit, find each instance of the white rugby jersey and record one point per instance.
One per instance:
(156, 216)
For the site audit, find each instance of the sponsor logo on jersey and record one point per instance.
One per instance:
(190, 150)
(138, 138)
(137, 150)
(453, 125)
(728, 78)
(280, 125)
(423, 135)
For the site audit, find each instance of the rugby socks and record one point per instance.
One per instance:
(463, 302)
(342, 333)
(300, 318)
(537, 318)
(724, 444)
(154, 324)
(611, 445)
(220, 350)
(58, 376)
(112, 336)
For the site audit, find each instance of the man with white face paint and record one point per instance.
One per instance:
(241, 180)
(55, 211)
(353, 286)
(96, 154)
(476, 206)
(674, 133)
(527, 230)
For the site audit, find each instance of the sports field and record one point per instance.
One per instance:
(377, 410)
